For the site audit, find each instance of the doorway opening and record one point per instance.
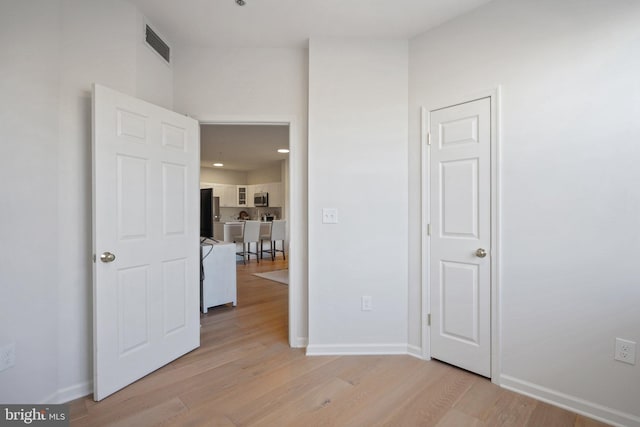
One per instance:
(251, 152)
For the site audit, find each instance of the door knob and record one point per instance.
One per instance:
(481, 253)
(107, 257)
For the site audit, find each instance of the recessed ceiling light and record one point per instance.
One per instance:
(218, 165)
(283, 150)
(240, 2)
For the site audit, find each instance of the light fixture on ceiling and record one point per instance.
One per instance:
(241, 2)
(283, 150)
(218, 163)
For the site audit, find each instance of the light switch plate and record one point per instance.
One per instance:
(367, 303)
(329, 215)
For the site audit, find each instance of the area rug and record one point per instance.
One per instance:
(280, 276)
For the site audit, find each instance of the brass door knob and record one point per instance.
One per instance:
(481, 253)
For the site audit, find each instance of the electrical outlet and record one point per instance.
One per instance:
(625, 351)
(7, 356)
(367, 303)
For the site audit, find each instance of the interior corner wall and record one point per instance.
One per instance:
(569, 203)
(256, 82)
(57, 50)
(358, 164)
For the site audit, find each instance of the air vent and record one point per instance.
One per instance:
(157, 44)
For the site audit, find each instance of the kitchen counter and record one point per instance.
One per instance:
(234, 227)
(218, 280)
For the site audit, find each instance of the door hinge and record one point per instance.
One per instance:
(429, 319)
(428, 229)
(428, 138)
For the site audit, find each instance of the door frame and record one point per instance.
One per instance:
(496, 332)
(295, 207)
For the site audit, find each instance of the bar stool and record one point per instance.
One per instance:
(277, 234)
(250, 234)
(265, 234)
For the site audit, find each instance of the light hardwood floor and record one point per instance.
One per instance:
(245, 374)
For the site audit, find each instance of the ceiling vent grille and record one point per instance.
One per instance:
(157, 44)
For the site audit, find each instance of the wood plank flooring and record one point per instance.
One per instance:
(245, 374)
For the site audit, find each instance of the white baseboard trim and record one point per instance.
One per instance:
(70, 393)
(572, 403)
(299, 342)
(355, 349)
(415, 351)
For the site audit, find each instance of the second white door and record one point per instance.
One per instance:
(460, 242)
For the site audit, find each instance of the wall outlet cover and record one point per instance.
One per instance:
(625, 351)
(7, 356)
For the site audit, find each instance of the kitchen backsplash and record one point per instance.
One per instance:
(232, 214)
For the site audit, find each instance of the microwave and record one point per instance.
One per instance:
(261, 200)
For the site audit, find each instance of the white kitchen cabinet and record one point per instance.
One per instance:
(227, 194)
(276, 196)
(242, 193)
(219, 274)
(231, 195)
(220, 190)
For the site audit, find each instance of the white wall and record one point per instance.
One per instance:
(265, 175)
(357, 164)
(257, 176)
(59, 48)
(222, 176)
(154, 76)
(570, 201)
(28, 215)
(262, 84)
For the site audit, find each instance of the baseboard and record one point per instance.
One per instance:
(299, 342)
(415, 351)
(572, 403)
(355, 349)
(70, 393)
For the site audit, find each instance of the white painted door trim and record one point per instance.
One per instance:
(297, 279)
(496, 332)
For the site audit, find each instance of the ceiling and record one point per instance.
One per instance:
(243, 147)
(290, 23)
(283, 24)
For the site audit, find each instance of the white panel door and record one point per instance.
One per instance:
(460, 266)
(146, 238)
